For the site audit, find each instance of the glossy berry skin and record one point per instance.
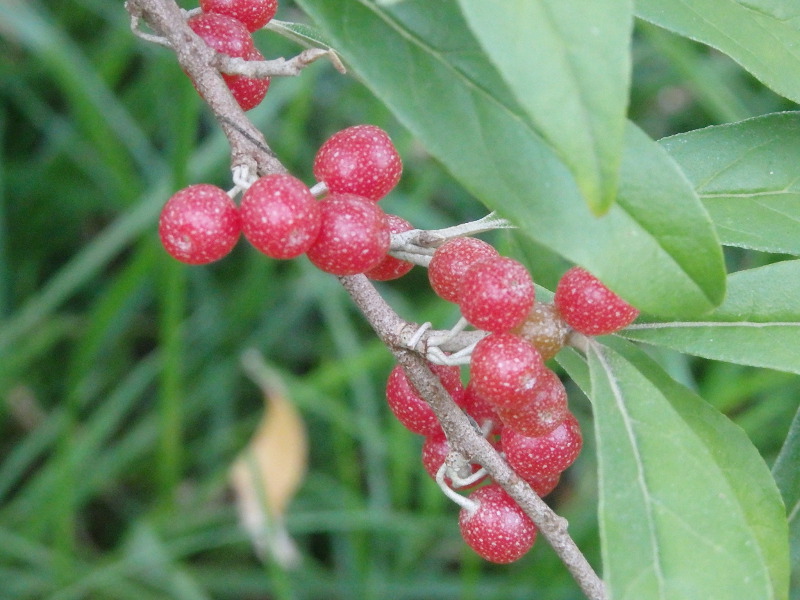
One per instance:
(544, 328)
(477, 407)
(199, 224)
(359, 160)
(390, 267)
(535, 457)
(229, 36)
(280, 216)
(546, 409)
(588, 306)
(545, 484)
(253, 14)
(353, 237)
(451, 261)
(499, 531)
(505, 370)
(408, 406)
(248, 91)
(496, 294)
(434, 452)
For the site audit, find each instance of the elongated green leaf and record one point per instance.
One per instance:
(787, 473)
(656, 247)
(761, 35)
(746, 175)
(758, 324)
(568, 65)
(688, 509)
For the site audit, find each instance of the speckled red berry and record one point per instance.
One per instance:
(480, 409)
(550, 454)
(498, 530)
(248, 91)
(254, 14)
(390, 267)
(199, 224)
(280, 216)
(353, 238)
(410, 408)
(546, 409)
(451, 260)
(588, 306)
(434, 452)
(496, 294)
(505, 370)
(359, 160)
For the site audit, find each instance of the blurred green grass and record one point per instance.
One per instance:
(123, 402)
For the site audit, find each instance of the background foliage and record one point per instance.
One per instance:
(123, 400)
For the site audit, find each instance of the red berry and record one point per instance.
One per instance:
(545, 484)
(223, 33)
(477, 407)
(451, 260)
(505, 370)
(229, 36)
(434, 453)
(254, 14)
(359, 160)
(280, 216)
(353, 238)
(498, 530)
(588, 306)
(390, 267)
(199, 224)
(545, 411)
(536, 457)
(410, 408)
(248, 91)
(496, 294)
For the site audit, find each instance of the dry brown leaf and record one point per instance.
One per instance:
(271, 467)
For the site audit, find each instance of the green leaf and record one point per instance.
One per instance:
(656, 247)
(757, 325)
(688, 509)
(568, 65)
(786, 473)
(761, 35)
(746, 176)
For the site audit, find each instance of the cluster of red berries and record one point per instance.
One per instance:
(344, 233)
(514, 398)
(226, 26)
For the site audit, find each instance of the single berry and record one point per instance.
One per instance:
(223, 33)
(248, 91)
(588, 306)
(353, 238)
(229, 36)
(496, 294)
(451, 260)
(498, 530)
(199, 224)
(505, 370)
(254, 14)
(390, 267)
(545, 411)
(410, 408)
(280, 216)
(535, 457)
(479, 408)
(359, 160)
(545, 329)
(434, 452)
(545, 484)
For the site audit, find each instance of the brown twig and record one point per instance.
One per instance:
(196, 59)
(465, 439)
(249, 148)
